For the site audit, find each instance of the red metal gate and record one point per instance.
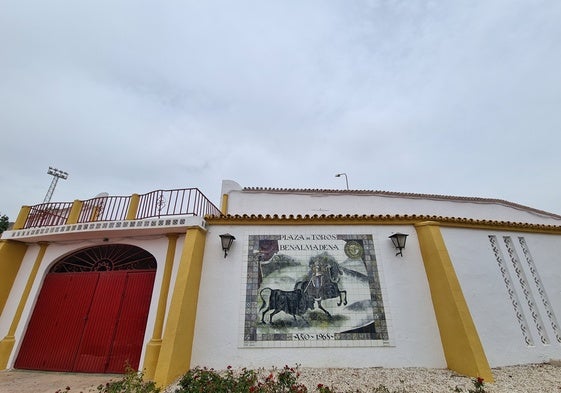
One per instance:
(88, 322)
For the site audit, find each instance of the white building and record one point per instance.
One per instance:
(311, 278)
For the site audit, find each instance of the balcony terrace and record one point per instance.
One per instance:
(161, 211)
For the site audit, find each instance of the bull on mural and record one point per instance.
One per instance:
(295, 302)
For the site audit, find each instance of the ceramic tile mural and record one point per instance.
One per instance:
(313, 290)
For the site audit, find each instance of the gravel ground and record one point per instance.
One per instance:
(24, 381)
(540, 378)
(537, 378)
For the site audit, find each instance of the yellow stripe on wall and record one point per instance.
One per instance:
(8, 342)
(460, 340)
(153, 348)
(11, 257)
(177, 342)
(224, 206)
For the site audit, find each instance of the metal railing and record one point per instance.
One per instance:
(106, 208)
(160, 203)
(187, 201)
(48, 214)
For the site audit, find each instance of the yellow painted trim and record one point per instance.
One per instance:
(177, 341)
(133, 207)
(460, 340)
(22, 217)
(224, 206)
(11, 257)
(154, 345)
(95, 213)
(74, 214)
(448, 222)
(7, 343)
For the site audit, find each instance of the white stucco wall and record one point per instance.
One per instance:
(497, 309)
(261, 202)
(518, 323)
(489, 301)
(413, 331)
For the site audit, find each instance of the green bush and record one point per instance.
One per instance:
(199, 380)
(205, 380)
(132, 382)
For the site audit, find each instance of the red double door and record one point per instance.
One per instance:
(88, 322)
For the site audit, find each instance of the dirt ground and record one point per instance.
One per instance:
(21, 381)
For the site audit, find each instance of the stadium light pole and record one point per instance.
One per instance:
(57, 174)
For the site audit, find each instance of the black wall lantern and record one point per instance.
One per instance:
(398, 240)
(227, 241)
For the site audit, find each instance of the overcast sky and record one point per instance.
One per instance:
(441, 97)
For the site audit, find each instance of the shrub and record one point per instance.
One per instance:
(478, 384)
(200, 380)
(132, 382)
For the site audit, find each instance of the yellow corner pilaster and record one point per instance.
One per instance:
(177, 341)
(154, 345)
(22, 217)
(224, 206)
(11, 257)
(7, 343)
(75, 211)
(460, 340)
(133, 207)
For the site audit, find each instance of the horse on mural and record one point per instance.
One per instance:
(322, 283)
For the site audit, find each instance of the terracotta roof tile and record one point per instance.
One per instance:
(380, 219)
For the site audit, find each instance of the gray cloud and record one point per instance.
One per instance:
(456, 98)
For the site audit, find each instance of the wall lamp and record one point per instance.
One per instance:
(398, 240)
(227, 241)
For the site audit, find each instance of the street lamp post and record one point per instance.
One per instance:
(346, 179)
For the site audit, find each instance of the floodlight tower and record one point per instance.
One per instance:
(57, 174)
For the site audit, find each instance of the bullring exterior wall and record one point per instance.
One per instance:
(54, 251)
(505, 257)
(480, 287)
(319, 202)
(510, 281)
(413, 338)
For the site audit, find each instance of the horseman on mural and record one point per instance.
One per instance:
(320, 284)
(322, 281)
